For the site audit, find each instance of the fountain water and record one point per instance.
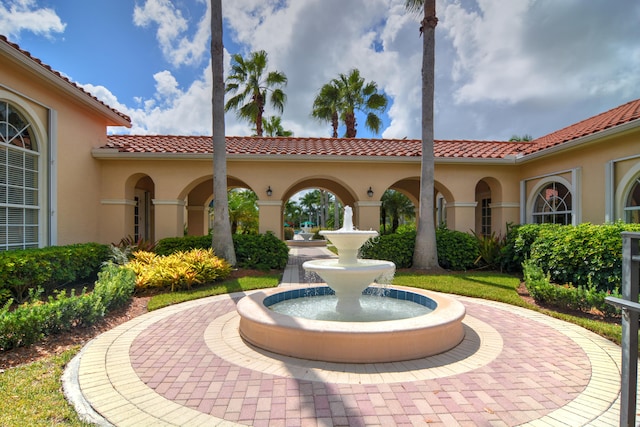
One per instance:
(351, 341)
(348, 276)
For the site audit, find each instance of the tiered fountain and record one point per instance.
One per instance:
(348, 340)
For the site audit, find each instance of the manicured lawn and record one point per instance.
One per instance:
(32, 394)
(228, 286)
(502, 288)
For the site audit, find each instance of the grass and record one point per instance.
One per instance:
(32, 396)
(499, 287)
(228, 286)
(32, 393)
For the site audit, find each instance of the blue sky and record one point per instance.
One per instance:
(502, 68)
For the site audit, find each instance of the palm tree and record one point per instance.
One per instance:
(326, 105)
(344, 96)
(243, 211)
(221, 240)
(395, 206)
(247, 81)
(518, 138)
(273, 127)
(425, 256)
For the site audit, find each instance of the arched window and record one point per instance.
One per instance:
(19, 205)
(632, 204)
(552, 205)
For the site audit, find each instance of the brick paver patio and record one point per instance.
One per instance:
(185, 365)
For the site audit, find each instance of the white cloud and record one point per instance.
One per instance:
(173, 31)
(502, 68)
(537, 50)
(17, 16)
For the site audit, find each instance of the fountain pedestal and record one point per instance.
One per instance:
(351, 342)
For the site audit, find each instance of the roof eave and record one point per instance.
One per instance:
(583, 140)
(114, 119)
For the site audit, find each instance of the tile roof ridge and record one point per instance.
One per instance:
(59, 75)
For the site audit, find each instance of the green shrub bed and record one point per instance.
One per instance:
(49, 268)
(33, 320)
(583, 298)
(253, 251)
(456, 250)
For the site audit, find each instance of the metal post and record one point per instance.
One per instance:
(630, 276)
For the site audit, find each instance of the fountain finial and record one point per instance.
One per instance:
(347, 223)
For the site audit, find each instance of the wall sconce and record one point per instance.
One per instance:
(370, 192)
(269, 191)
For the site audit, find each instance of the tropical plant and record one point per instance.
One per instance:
(395, 206)
(292, 214)
(425, 256)
(345, 95)
(273, 127)
(326, 106)
(518, 138)
(243, 211)
(250, 86)
(221, 240)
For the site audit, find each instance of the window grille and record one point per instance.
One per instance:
(19, 192)
(632, 205)
(553, 204)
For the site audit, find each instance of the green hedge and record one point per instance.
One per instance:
(259, 251)
(456, 250)
(584, 255)
(32, 321)
(397, 248)
(49, 268)
(583, 298)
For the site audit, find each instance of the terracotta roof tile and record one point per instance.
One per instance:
(451, 149)
(617, 116)
(48, 68)
(239, 145)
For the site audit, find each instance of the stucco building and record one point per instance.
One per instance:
(64, 180)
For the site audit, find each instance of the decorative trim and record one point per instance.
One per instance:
(269, 203)
(176, 202)
(368, 204)
(462, 204)
(118, 202)
(504, 205)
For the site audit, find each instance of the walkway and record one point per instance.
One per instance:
(186, 366)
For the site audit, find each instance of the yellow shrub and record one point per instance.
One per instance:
(180, 270)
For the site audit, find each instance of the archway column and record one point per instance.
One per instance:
(169, 218)
(270, 218)
(197, 223)
(116, 219)
(503, 213)
(461, 216)
(367, 215)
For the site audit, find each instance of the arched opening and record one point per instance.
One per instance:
(483, 209)
(20, 181)
(143, 212)
(632, 203)
(552, 203)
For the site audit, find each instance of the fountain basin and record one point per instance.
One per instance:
(353, 342)
(349, 280)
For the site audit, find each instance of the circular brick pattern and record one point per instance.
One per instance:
(525, 369)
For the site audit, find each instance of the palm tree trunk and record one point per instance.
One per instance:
(260, 102)
(350, 123)
(222, 241)
(334, 124)
(425, 256)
